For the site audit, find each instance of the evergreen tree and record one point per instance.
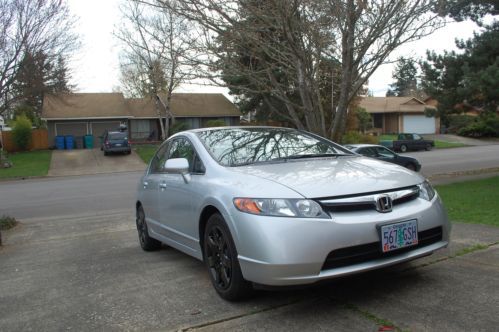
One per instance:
(39, 74)
(461, 10)
(469, 79)
(405, 75)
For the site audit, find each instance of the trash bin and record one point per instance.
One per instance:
(89, 141)
(69, 142)
(59, 142)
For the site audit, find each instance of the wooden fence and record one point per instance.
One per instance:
(39, 140)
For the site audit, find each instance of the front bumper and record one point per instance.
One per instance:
(280, 251)
(118, 149)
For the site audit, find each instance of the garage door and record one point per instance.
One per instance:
(419, 124)
(98, 129)
(72, 128)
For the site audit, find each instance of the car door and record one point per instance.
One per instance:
(179, 200)
(150, 188)
(418, 142)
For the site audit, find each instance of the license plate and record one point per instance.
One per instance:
(399, 235)
(117, 145)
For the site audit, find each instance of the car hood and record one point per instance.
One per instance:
(327, 177)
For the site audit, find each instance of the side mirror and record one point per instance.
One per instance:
(178, 166)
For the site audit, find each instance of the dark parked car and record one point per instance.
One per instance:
(115, 141)
(385, 154)
(406, 142)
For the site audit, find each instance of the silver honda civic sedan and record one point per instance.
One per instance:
(277, 206)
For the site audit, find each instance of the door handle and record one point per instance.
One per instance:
(162, 185)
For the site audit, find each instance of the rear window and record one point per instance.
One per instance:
(118, 136)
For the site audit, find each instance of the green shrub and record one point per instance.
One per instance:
(21, 132)
(458, 122)
(7, 222)
(354, 137)
(486, 125)
(215, 123)
(364, 119)
(178, 126)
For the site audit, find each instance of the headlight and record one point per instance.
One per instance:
(302, 208)
(426, 191)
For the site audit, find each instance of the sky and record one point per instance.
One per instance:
(95, 68)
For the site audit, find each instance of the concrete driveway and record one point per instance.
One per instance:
(92, 161)
(87, 272)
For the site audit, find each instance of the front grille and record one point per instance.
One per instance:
(367, 201)
(367, 252)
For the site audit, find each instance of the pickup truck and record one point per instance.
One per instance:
(406, 142)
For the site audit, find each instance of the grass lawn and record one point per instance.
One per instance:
(146, 151)
(447, 145)
(473, 202)
(388, 137)
(25, 164)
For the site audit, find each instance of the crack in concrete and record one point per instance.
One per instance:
(462, 252)
(385, 323)
(247, 314)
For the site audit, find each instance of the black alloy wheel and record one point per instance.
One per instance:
(220, 256)
(146, 242)
(428, 147)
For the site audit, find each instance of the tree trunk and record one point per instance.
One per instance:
(347, 44)
(158, 112)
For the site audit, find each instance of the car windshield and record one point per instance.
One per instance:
(243, 146)
(117, 136)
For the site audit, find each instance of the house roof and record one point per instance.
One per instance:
(393, 105)
(111, 105)
(84, 105)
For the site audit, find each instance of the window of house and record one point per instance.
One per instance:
(378, 120)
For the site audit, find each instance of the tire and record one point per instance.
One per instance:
(106, 153)
(411, 166)
(428, 147)
(221, 261)
(403, 148)
(147, 243)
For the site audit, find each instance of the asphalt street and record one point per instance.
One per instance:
(102, 193)
(441, 161)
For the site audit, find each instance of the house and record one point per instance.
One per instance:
(81, 114)
(400, 115)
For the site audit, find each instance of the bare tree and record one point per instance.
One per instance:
(154, 59)
(31, 27)
(284, 42)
